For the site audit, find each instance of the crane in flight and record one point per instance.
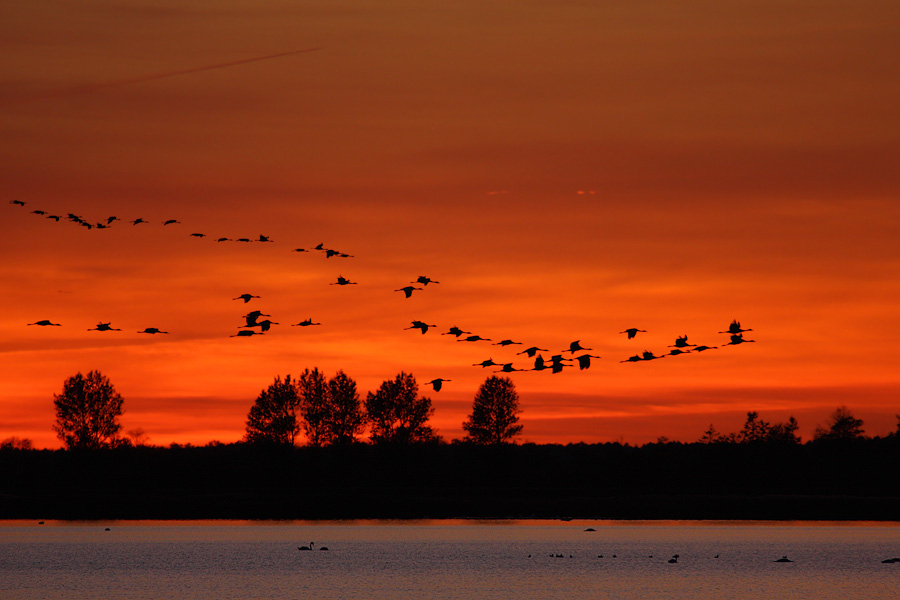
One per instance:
(505, 343)
(487, 363)
(305, 323)
(455, 331)
(633, 331)
(104, 327)
(530, 352)
(576, 347)
(735, 328)
(422, 325)
(152, 330)
(681, 342)
(342, 281)
(45, 323)
(424, 280)
(246, 333)
(437, 383)
(408, 290)
(246, 298)
(474, 338)
(584, 361)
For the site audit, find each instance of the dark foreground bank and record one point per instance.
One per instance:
(855, 480)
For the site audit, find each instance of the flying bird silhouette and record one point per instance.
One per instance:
(455, 331)
(422, 325)
(263, 238)
(474, 338)
(633, 331)
(532, 351)
(342, 281)
(45, 323)
(681, 342)
(576, 347)
(437, 383)
(424, 280)
(252, 317)
(735, 327)
(487, 363)
(198, 235)
(152, 330)
(137, 221)
(677, 351)
(633, 358)
(245, 297)
(704, 348)
(505, 343)
(223, 239)
(305, 323)
(507, 368)
(246, 333)
(172, 222)
(266, 324)
(646, 355)
(408, 290)
(584, 361)
(39, 212)
(738, 338)
(104, 327)
(17, 202)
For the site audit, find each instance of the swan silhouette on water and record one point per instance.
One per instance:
(45, 323)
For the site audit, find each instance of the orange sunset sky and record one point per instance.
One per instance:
(565, 170)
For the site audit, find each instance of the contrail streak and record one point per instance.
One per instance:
(122, 82)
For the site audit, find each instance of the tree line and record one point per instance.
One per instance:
(331, 412)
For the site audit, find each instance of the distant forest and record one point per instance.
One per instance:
(831, 479)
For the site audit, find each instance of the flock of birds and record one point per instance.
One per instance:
(258, 323)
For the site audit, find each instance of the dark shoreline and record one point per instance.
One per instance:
(853, 481)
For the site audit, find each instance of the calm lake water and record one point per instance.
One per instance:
(447, 560)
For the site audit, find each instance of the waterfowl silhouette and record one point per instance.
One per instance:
(634, 358)
(735, 327)
(455, 331)
(319, 246)
(137, 221)
(245, 297)
(677, 351)
(633, 331)
(420, 325)
(299, 250)
(104, 327)
(646, 355)
(109, 220)
(39, 212)
(198, 235)
(17, 202)
(539, 364)
(223, 239)
(252, 317)
(783, 559)
(889, 561)
(584, 361)
(305, 323)
(55, 218)
(408, 290)
(487, 363)
(152, 330)
(45, 323)
(530, 352)
(342, 281)
(171, 222)
(681, 342)
(474, 338)
(436, 383)
(424, 280)
(245, 240)
(704, 348)
(305, 548)
(246, 333)
(506, 343)
(738, 338)
(507, 368)
(673, 560)
(266, 324)
(263, 238)
(576, 347)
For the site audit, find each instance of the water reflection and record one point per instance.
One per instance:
(447, 559)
